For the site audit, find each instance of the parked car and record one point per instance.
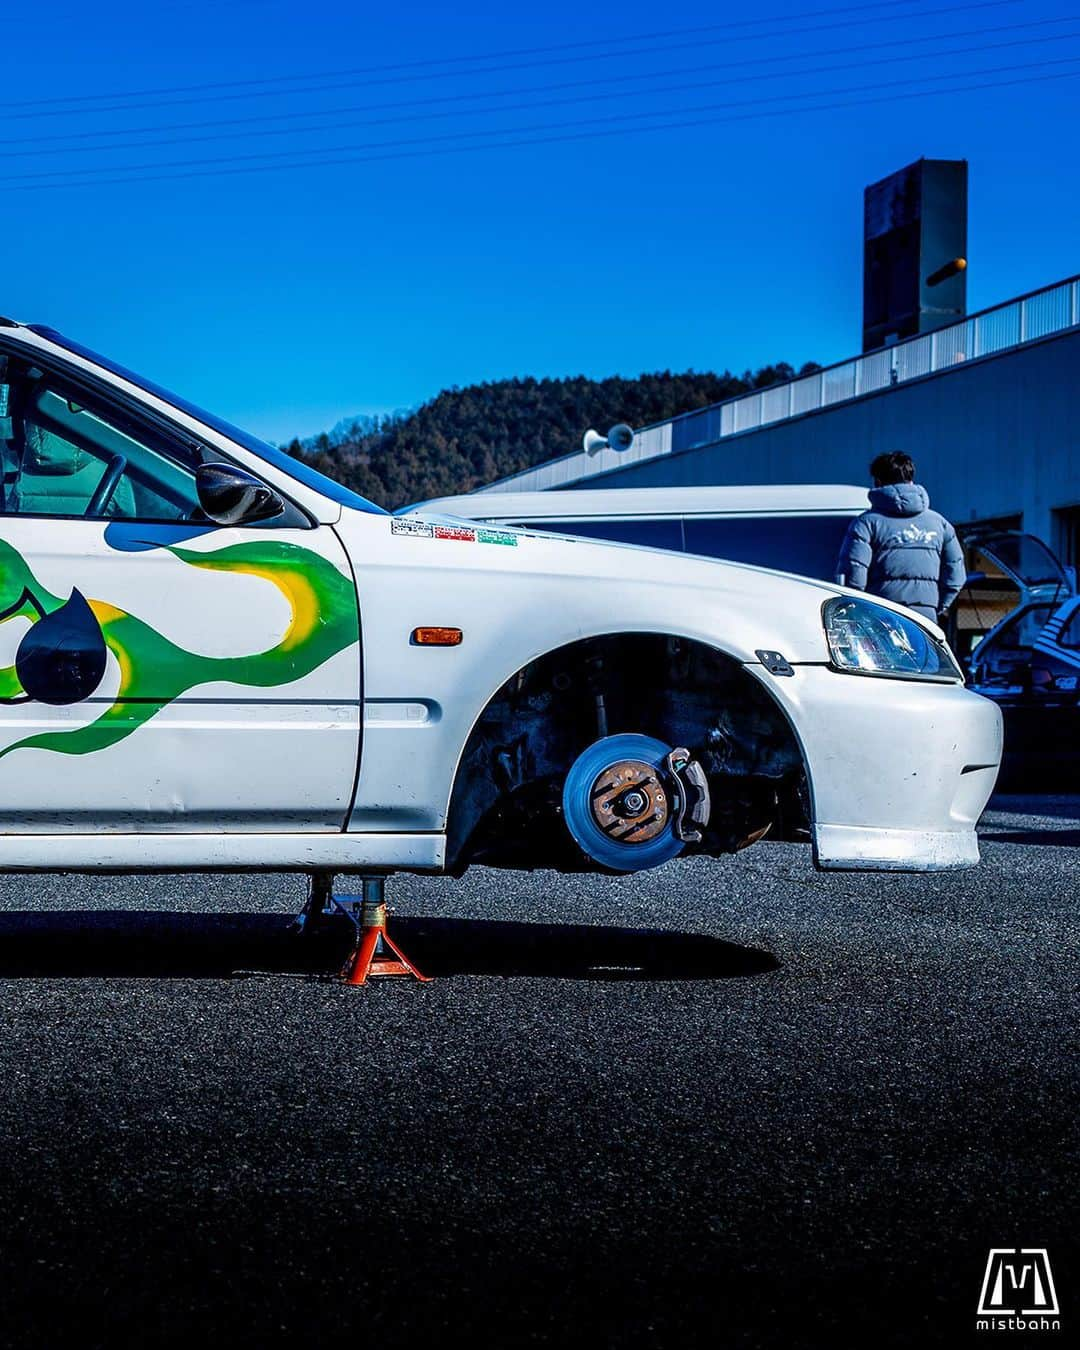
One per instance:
(216, 658)
(795, 528)
(1029, 662)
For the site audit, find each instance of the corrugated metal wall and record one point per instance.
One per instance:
(991, 439)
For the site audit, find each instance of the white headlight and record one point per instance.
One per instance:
(867, 639)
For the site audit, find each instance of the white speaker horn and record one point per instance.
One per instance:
(619, 438)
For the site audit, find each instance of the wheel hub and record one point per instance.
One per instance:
(628, 801)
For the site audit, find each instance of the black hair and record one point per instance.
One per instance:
(894, 467)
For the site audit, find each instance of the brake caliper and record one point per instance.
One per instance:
(690, 804)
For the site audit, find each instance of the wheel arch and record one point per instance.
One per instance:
(485, 770)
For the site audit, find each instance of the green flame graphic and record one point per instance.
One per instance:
(154, 671)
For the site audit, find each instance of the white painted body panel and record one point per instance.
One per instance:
(225, 776)
(222, 852)
(513, 605)
(885, 757)
(218, 756)
(207, 762)
(900, 770)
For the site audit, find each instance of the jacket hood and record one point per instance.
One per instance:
(900, 499)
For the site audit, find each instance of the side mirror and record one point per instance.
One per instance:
(232, 496)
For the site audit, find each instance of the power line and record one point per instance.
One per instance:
(550, 103)
(499, 55)
(436, 145)
(593, 135)
(11, 115)
(570, 84)
(548, 140)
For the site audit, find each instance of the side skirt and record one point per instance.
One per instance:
(222, 852)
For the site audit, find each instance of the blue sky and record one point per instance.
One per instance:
(287, 298)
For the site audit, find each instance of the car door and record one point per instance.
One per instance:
(1007, 571)
(158, 671)
(1056, 694)
(1021, 666)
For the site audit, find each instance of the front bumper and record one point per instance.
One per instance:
(900, 771)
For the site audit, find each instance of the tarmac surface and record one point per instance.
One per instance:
(732, 1103)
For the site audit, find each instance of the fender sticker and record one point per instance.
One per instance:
(463, 534)
(417, 528)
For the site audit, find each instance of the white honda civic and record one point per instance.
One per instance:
(215, 658)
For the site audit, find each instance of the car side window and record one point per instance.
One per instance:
(65, 454)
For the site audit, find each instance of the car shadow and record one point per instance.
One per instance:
(490, 947)
(122, 943)
(1060, 838)
(1065, 806)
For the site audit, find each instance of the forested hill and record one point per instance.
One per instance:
(464, 438)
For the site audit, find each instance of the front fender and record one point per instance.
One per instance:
(514, 605)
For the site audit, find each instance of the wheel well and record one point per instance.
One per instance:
(505, 808)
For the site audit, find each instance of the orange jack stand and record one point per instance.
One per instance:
(376, 952)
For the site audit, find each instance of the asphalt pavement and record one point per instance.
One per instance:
(732, 1103)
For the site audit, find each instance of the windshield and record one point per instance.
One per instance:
(295, 468)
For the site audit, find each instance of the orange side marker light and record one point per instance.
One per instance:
(436, 637)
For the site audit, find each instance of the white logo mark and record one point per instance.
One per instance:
(1018, 1283)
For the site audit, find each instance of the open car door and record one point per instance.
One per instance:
(1009, 572)
(1027, 562)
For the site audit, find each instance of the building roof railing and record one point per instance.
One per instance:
(1040, 314)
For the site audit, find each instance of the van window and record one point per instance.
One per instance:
(806, 545)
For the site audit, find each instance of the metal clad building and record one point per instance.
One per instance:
(989, 408)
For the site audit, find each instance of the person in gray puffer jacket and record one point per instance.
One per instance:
(900, 549)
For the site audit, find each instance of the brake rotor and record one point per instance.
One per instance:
(628, 801)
